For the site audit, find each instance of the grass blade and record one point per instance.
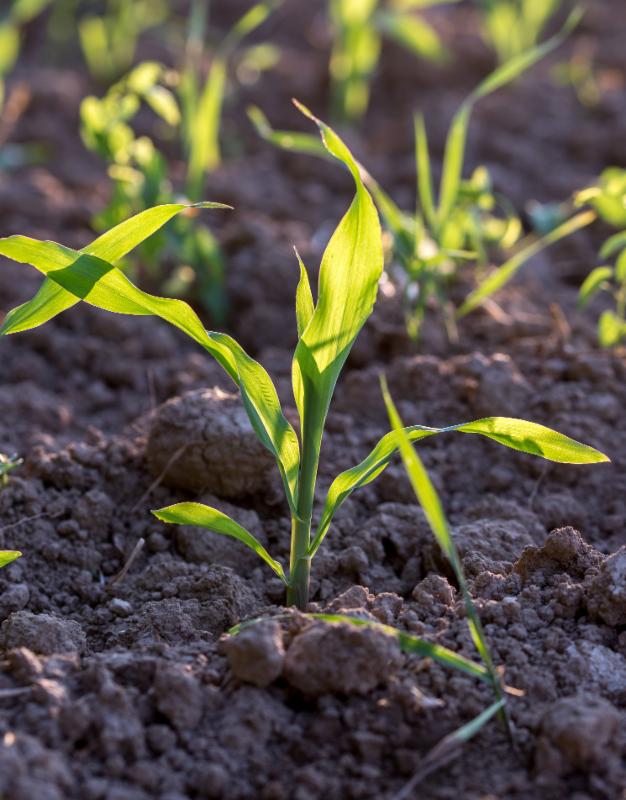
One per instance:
(213, 520)
(428, 498)
(424, 174)
(447, 748)
(501, 276)
(304, 299)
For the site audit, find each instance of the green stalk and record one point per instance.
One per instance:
(300, 558)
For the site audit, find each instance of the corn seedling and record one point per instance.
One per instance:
(608, 200)
(358, 27)
(511, 27)
(350, 271)
(7, 465)
(464, 225)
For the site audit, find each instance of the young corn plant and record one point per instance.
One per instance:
(464, 225)
(358, 27)
(511, 27)
(350, 271)
(608, 200)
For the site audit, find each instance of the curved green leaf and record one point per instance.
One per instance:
(517, 434)
(593, 283)
(112, 246)
(210, 518)
(100, 284)
(304, 299)
(293, 141)
(503, 274)
(7, 556)
(411, 644)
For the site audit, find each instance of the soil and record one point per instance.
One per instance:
(120, 685)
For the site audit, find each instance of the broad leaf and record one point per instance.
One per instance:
(100, 284)
(7, 556)
(112, 246)
(210, 518)
(518, 434)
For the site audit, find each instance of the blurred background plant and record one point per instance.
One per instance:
(188, 102)
(511, 27)
(357, 28)
(608, 199)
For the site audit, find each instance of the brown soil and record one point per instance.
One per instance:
(125, 688)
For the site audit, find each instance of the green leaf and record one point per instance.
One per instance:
(517, 434)
(501, 276)
(414, 34)
(517, 65)
(453, 159)
(620, 267)
(421, 483)
(112, 246)
(613, 244)
(100, 284)
(7, 556)
(292, 141)
(424, 174)
(428, 498)
(412, 644)
(210, 518)
(204, 146)
(348, 283)
(593, 283)
(249, 22)
(611, 329)
(304, 299)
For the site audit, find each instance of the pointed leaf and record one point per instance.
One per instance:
(501, 276)
(424, 175)
(593, 283)
(304, 299)
(517, 434)
(210, 518)
(112, 246)
(7, 556)
(100, 284)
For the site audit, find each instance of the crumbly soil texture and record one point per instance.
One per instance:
(117, 681)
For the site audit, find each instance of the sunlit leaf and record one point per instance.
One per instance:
(210, 518)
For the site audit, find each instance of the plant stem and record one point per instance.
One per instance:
(300, 564)
(300, 560)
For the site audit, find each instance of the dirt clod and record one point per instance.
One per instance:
(606, 596)
(42, 633)
(203, 441)
(256, 654)
(578, 732)
(328, 658)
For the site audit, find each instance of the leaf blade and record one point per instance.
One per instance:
(202, 516)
